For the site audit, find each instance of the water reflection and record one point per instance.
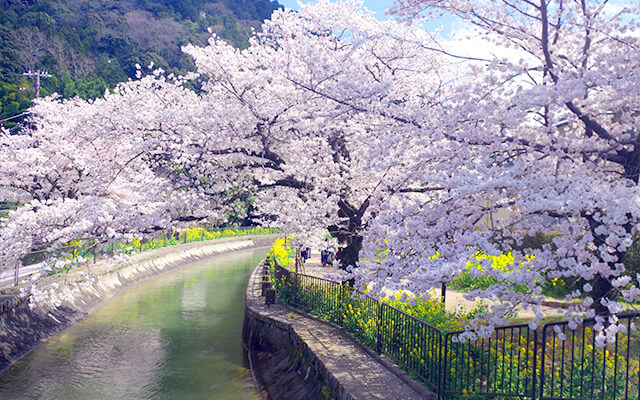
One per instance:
(175, 338)
(194, 299)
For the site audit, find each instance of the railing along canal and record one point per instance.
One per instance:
(551, 363)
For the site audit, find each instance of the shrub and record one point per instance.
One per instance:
(474, 277)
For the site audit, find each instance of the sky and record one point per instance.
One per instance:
(379, 6)
(455, 36)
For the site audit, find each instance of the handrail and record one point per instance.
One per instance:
(511, 362)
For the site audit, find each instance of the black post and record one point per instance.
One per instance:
(266, 285)
(378, 338)
(535, 360)
(340, 302)
(295, 289)
(270, 297)
(443, 292)
(442, 362)
(16, 274)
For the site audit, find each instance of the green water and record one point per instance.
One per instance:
(178, 337)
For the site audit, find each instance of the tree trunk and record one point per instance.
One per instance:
(348, 255)
(349, 234)
(602, 288)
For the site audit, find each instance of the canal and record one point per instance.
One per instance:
(177, 337)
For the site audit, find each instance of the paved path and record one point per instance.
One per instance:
(362, 373)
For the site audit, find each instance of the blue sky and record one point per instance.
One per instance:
(446, 23)
(379, 7)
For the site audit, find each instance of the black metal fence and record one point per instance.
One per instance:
(412, 343)
(550, 363)
(501, 364)
(574, 367)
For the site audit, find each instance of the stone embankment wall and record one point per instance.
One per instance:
(282, 363)
(23, 327)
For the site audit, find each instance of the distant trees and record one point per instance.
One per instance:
(101, 42)
(31, 48)
(12, 101)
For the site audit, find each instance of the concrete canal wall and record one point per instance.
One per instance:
(282, 362)
(297, 356)
(23, 327)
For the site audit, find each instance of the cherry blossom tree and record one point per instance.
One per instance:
(547, 143)
(316, 111)
(303, 120)
(100, 168)
(381, 134)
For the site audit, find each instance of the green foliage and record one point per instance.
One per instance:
(573, 368)
(90, 46)
(632, 259)
(475, 277)
(432, 311)
(13, 101)
(78, 251)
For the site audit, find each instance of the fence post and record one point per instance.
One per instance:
(442, 361)
(16, 273)
(543, 345)
(378, 338)
(340, 302)
(535, 364)
(295, 289)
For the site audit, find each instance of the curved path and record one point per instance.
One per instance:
(360, 373)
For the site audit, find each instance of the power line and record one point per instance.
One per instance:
(15, 116)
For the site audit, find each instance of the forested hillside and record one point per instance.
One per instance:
(86, 46)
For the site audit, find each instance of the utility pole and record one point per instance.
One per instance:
(38, 74)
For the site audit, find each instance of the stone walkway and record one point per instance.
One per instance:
(361, 372)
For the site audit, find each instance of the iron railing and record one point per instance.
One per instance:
(576, 368)
(500, 365)
(319, 296)
(515, 361)
(412, 343)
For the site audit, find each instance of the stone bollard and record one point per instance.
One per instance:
(270, 297)
(265, 287)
